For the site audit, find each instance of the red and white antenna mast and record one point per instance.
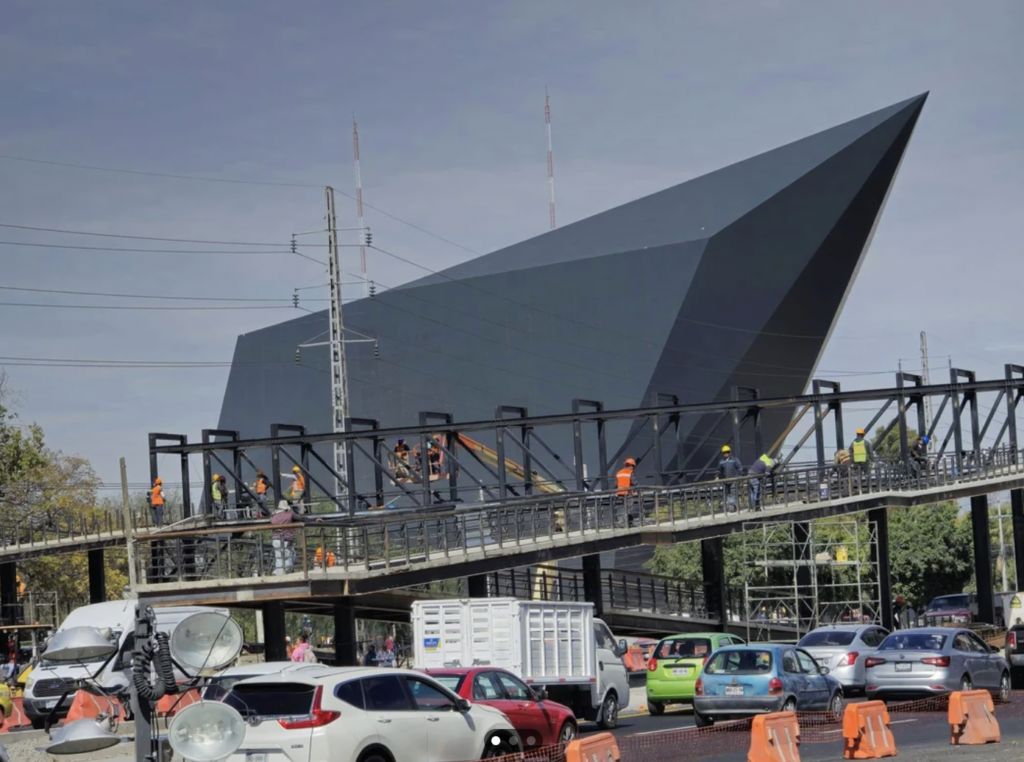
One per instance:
(551, 160)
(359, 207)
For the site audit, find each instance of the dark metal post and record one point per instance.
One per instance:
(659, 399)
(379, 454)
(97, 576)
(982, 532)
(186, 484)
(1013, 373)
(274, 631)
(350, 470)
(577, 439)
(346, 649)
(1017, 514)
(880, 519)
(901, 413)
(275, 464)
(476, 586)
(8, 594)
(712, 562)
(206, 501)
(592, 582)
(499, 435)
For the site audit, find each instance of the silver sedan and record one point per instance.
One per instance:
(844, 648)
(930, 661)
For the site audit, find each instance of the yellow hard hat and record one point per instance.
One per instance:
(216, 477)
(860, 431)
(295, 469)
(726, 448)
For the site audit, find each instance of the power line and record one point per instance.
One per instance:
(142, 307)
(35, 245)
(151, 296)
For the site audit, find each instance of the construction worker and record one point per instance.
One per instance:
(919, 458)
(401, 459)
(261, 487)
(863, 455)
(219, 493)
(434, 459)
(729, 467)
(625, 484)
(156, 502)
(763, 467)
(298, 490)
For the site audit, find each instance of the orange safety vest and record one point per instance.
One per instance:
(261, 486)
(157, 497)
(299, 485)
(624, 480)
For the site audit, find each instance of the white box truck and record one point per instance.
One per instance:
(559, 648)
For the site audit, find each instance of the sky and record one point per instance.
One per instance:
(449, 97)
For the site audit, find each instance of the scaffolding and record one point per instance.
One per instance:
(800, 576)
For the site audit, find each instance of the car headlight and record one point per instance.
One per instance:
(29, 683)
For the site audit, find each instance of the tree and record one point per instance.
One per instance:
(888, 447)
(931, 551)
(21, 445)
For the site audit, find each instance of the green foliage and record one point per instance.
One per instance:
(888, 447)
(931, 551)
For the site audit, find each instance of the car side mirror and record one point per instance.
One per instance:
(823, 670)
(463, 705)
(623, 647)
(540, 694)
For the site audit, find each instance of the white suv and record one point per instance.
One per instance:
(363, 714)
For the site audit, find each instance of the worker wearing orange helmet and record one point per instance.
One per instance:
(156, 502)
(625, 488)
(298, 490)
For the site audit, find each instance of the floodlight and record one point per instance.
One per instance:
(206, 731)
(85, 735)
(77, 644)
(207, 640)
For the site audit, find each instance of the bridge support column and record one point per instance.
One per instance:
(880, 522)
(274, 631)
(1017, 512)
(346, 648)
(712, 562)
(806, 615)
(8, 595)
(981, 529)
(592, 583)
(476, 586)
(97, 576)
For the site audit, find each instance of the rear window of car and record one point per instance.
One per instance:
(827, 638)
(271, 699)
(451, 682)
(746, 662)
(683, 648)
(913, 641)
(950, 602)
(218, 687)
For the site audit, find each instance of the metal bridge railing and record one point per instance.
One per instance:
(402, 540)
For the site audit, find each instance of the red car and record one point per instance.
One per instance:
(539, 721)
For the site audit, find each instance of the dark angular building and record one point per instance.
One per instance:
(733, 279)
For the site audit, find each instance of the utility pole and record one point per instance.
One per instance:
(129, 527)
(1002, 544)
(339, 371)
(926, 380)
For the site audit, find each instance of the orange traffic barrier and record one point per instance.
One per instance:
(971, 718)
(172, 704)
(866, 731)
(18, 717)
(774, 738)
(89, 706)
(601, 747)
(634, 659)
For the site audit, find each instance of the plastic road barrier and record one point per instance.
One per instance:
(971, 718)
(774, 738)
(866, 731)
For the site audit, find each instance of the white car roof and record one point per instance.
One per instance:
(259, 668)
(314, 673)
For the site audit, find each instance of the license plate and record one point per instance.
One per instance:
(734, 690)
(256, 757)
(50, 704)
(681, 671)
(902, 667)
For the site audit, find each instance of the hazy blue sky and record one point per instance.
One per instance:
(449, 97)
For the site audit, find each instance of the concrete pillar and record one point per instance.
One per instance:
(345, 646)
(712, 562)
(981, 529)
(97, 576)
(1017, 512)
(804, 579)
(273, 627)
(880, 519)
(476, 586)
(592, 589)
(8, 596)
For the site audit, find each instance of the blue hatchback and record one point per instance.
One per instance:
(741, 681)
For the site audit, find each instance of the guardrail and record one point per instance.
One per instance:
(402, 540)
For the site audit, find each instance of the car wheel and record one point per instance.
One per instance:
(656, 708)
(567, 733)
(835, 706)
(790, 705)
(610, 712)
(1004, 687)
(374, 757)
(965, 683)
(702, 720)
(39, 724)
(497, 747)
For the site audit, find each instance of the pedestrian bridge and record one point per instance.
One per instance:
(395, 549)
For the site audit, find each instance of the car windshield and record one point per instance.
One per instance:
(451, 682)
(913, 641)
(751, 662)
(271, 699)
(827, 638)
(949, 602)
(687, 648)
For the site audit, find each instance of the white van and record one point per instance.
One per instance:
(49, 680)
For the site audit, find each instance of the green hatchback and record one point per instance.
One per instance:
(676, 663)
